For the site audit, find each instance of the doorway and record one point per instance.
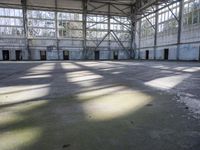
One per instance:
(166, 54)
(18, 54)
(66, 55)
(147, 54)
(5, 54)
(96, 55)
(115, 55)
(199, 53)
(43, 55)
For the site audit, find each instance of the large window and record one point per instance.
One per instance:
(147, 26)
(191, 12)
(41, 23)
(97, 27)
(122, 27)
(70, 25)
(167, 18)
(11, 22)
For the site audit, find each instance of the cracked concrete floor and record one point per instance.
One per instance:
(107, 105)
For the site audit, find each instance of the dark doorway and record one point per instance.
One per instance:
(5, 54)
(115, 55)
(166, 54)
(43, 55)
(66, 55)
(199, 53)
(96, 55)
(147, 54)
(18, 54)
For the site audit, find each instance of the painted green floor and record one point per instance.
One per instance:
(93, 106)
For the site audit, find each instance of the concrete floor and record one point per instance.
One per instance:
(99, 105)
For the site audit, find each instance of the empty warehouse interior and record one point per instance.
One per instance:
(99, 74)
(104, 30)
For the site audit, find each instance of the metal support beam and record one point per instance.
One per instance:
(127, 27)
(133, 46)
(135, 19)
(145, 14)
(101, 41)
(179, 27)
(97, 23)
(139, 46)
(25, 26)
(122, 11)
(95, 8)
(56, 21)
(153, 26)
(133, 32)
(172, 13)
(109, 42)
(84, 3)
(156, 32)
(115, 36)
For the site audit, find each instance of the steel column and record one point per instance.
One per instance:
(156, 33)
(57, 34)
(109, 42)
(132, 42)
(179, 27)
(139, 46)
(84, 29)
(25, 25)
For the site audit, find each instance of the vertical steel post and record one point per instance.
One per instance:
(109, 41)
(25, 26)
(179, 28)
(139, 46)
(133, 31)
(156, 32)
(57, 34)
(84, 3)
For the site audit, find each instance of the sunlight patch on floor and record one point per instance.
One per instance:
(192, 69)
(69, 66)
(82, 76)
(167, 83)
(102, 92)
(43, 67)
(9, 118)
(36, 76)
(15, 94)
(115, 105)
(18, 139)
(12, 115)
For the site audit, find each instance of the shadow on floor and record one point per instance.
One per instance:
(86, 108)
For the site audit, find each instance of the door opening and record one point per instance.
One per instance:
(66, 55)
(199, 53)
(18, 54)
(96, 55)
(5, 54)
(166, 54)
(43, 55)
(147, 54)
(115, 55)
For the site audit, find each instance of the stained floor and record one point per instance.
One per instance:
(105, 105)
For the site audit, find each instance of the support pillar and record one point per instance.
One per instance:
(133, 32)
(25, 26)
(57, 34)
(139, 46)
(134, 17)
(156, 33)
(84, 29)
(179, 28)
(109, 42)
